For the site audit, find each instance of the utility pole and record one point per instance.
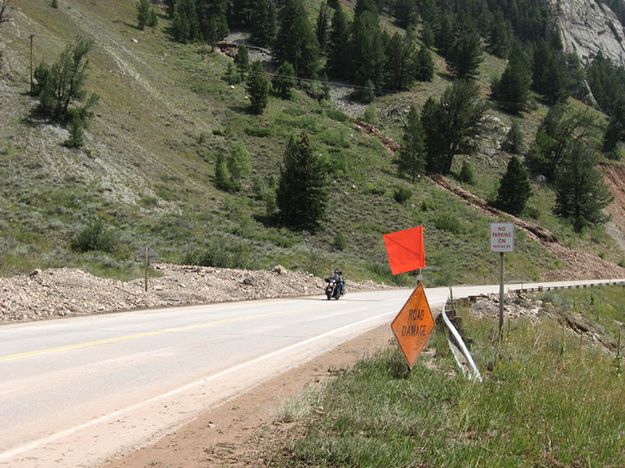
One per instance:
(31, 63)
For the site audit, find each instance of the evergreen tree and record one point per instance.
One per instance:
(284, 81)
(365, 5)
(465, 55)
(427, 35)
(213, 19)
(444, 34)
(242, 61)
(401, 57)
(233, 76)
(76, 131)
(55, 3)
(453, 125)
(186, 25)
(322, 28)
(560, 128)
(616, 126)
(143, 11)
(580, 192)
(302, 193)
(424, 70)
(258, 88)
(264, 28)
(500, 35)
(514, 188)
(63, 83)
(367, 93)
(514, 139)
(338, 54)
(512, 89)
(152, 18)
(406, 13)
(371, 114)
(367, 46)
(411, 161)
(296, 42)
(171, 7)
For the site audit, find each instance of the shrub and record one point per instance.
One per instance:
(448, 223)
(92, 237)
(340, 241)
(466, 174)
(257, 132)
(402, 194)
(221, 253)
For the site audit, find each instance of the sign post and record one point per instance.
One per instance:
(146, 255)
(501, 241)
(414, 323)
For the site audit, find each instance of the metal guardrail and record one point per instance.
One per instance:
(569, 286)
(459, 349)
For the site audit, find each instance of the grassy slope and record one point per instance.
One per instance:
(546, 401)
(148, 165)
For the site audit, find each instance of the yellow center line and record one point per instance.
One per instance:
(132, 336)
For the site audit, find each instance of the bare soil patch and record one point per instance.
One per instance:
(229, 434)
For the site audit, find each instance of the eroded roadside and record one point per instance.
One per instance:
(223, 436)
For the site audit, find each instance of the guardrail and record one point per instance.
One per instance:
(569, 286)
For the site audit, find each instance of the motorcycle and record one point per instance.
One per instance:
(334, 289)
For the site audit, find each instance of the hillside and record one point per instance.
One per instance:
(147, 169)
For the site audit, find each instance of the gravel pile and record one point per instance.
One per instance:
(69, 292)
(516, 305)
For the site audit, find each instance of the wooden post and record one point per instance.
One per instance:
(31, 63)
(501, 294)
(145, 264)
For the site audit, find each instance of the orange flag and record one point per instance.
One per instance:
(405, 250)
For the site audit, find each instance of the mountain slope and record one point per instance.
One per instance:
(148, 166)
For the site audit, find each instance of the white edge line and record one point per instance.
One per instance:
(4, 456)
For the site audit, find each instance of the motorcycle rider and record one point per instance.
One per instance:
(340, 281)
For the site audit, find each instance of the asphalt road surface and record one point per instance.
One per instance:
(75, 391)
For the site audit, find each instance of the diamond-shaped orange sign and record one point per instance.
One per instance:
(413, 325)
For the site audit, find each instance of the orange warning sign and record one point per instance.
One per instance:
(413, 325)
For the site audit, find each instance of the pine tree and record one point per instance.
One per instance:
(424, 70)
(296, 42)
(63, 83)
(371, 114)
(465, 55)
(401, 57)
(411, 161)
(453, 125)
(367, 49)
(264, 26)
(152, 18)
(514, 139)
(466, 174)
(512, 89)
(558, 130)
(500, 35)
(616, 126)
(514, 188)
(143, 11)
(76, 132)
(367, 93)
(55, 4)
(427, 36)
(581, 194)
(213, 19)
(338, 54)
(242, 61)
(322, 27)
(284, 80)
(444, 34)
(302, 193)
(258, 88)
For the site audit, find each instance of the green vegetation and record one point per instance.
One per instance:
(514, 188)
(547, 399)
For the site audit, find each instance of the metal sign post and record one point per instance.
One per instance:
(502, 241)
(146, 255)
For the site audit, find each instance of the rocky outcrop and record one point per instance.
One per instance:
(587, 27)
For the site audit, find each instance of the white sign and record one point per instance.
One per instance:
(502, 237)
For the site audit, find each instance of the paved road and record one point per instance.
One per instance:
(75, 391)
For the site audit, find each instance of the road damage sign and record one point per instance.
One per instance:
(413, 325)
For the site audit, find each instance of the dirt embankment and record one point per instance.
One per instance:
(70, 292)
